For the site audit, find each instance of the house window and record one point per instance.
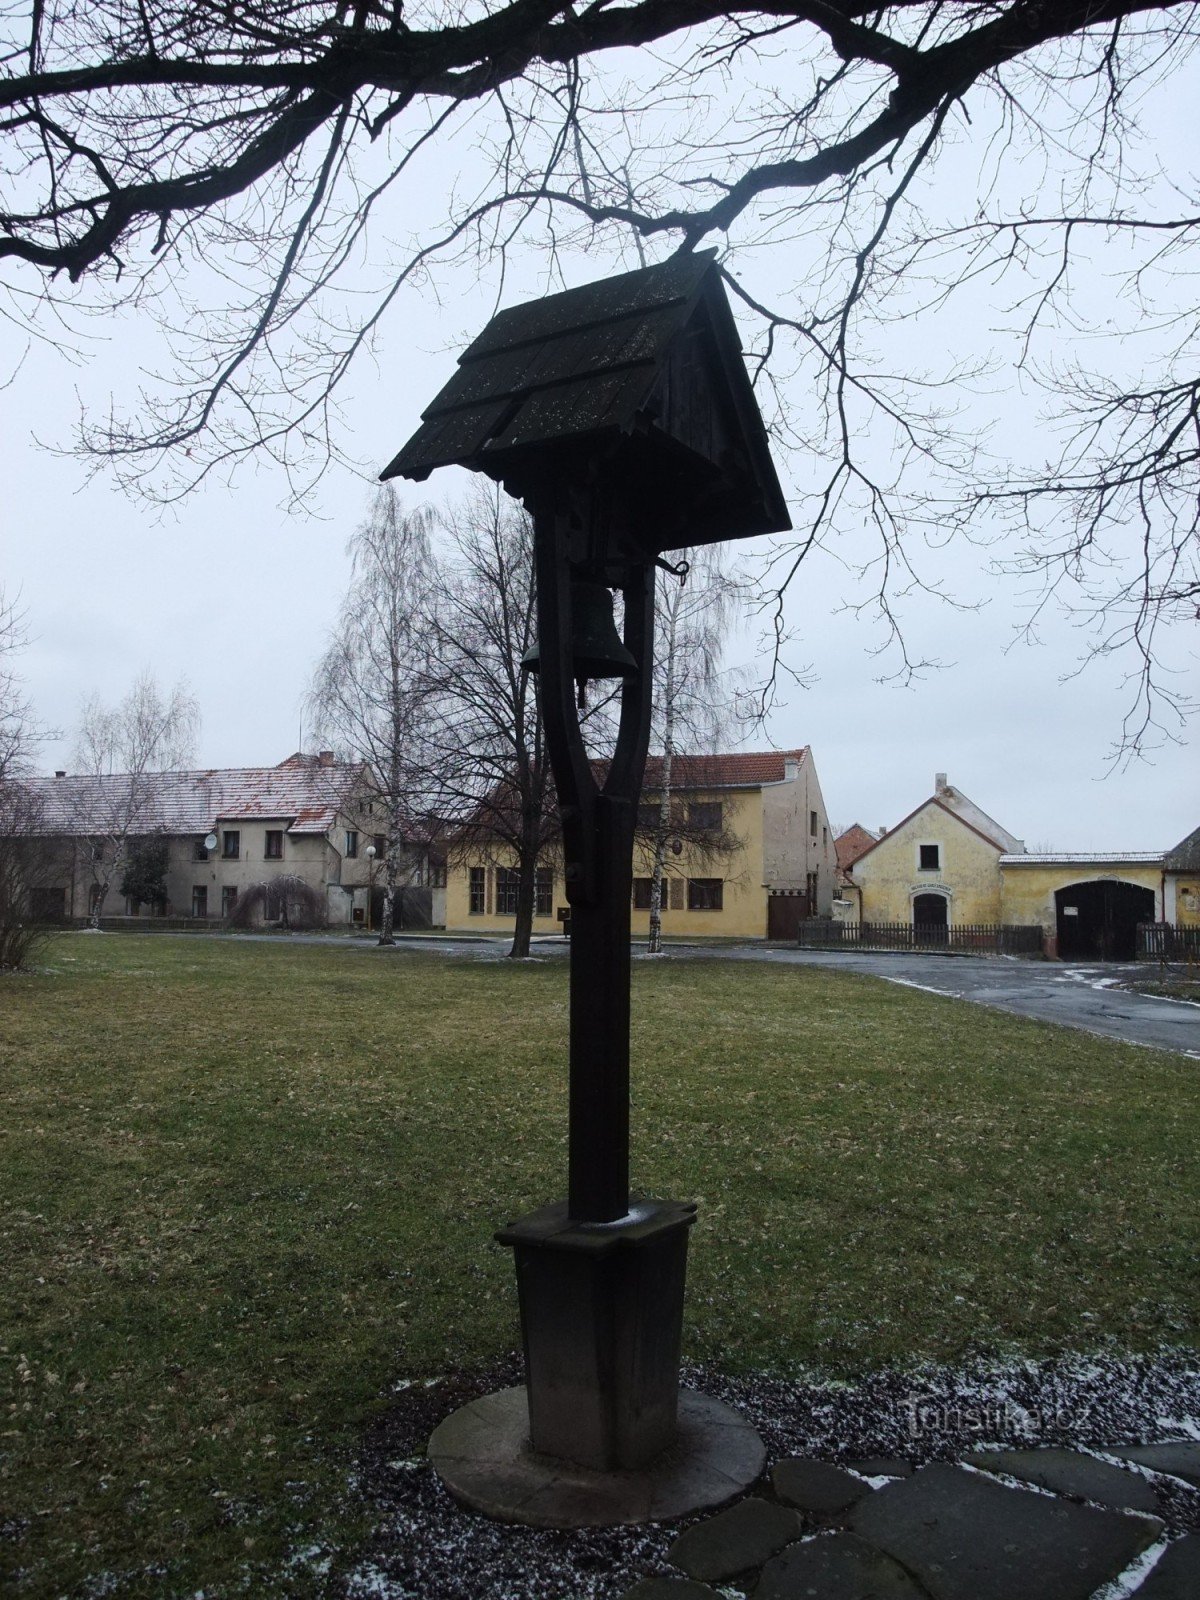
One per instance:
(648, 816)
(94, 898)
(231, 847)
(544, 892)
(506, 891)
(437, 874)
(641, 893)
(351, 849)
(810, 889)
(478, 905)
(929, 857)
(96, 849)
(705, 894)
(812, 823)
(199, 851)
(200, 900)
(379, 840)
(274, 845)
(705, 814)
(228, 900)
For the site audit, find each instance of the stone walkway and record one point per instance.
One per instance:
(1040, 1524)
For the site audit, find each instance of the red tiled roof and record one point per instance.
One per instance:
(743, 770)
(306, 796)
(856, 841)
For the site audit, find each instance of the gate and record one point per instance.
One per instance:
(786, 910)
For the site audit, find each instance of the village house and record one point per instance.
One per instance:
(939, 866)
(750, 855)
(948, 864)
(227, 831)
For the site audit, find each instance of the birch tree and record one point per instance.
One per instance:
(124, 748)
(694, 706)
(492, 771)
(373, 690)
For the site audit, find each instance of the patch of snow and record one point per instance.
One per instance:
(907, 983)
(1127, 1583)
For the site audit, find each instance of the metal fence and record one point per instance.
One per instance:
(1165, 941)
(978, 938)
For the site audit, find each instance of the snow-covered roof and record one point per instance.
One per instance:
(1084, 858)
(305, 797)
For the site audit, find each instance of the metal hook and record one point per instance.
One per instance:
(681, 571)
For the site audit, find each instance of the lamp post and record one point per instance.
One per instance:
(622, 415)
(370, 854)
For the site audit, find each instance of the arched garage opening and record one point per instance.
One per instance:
(930, 914)
(1098, 921)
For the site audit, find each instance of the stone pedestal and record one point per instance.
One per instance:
(601, 1321)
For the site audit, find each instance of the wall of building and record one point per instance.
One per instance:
(1027, 891)
(792, 846)
(890, 876)
(743, 912)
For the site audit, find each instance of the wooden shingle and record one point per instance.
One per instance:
(641, 374)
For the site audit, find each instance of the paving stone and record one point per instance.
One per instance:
(667, 1588)
(883, 1467)
(1070, 1472)
(1176, 1574)
(1181, 1460)
(966, 1537)
(816, 1486)
(744, 1536)
(836, 1566)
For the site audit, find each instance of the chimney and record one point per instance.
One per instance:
(791, 769)
(939, 783)
(325, 757)
(60, 774)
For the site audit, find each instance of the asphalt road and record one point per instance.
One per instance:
(1086, 997)
(1074, 996)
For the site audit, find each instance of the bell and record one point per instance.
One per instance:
(597, 651)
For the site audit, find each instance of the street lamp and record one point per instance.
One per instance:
(622, 415)
(370, 854)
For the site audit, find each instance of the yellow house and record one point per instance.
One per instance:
(753, 855)
(1088, 903)
(937, 868)
(949, 864)
(1181, 883)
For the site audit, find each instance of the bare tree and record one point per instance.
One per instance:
(122, 749)
(373, 689)
(24, 857)
(694, 707)
(493, 778)
(864, 166)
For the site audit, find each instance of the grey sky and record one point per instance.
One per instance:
(235, 594)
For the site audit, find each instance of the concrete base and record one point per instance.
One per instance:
(483, 1456)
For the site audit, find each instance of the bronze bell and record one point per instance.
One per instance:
(597, 650)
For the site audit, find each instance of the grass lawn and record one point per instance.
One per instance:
(245, 1188)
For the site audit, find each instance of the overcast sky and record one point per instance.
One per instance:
(235, 595)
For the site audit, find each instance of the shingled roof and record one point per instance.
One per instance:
(305, 796)
(607, 360)
(1185, 857)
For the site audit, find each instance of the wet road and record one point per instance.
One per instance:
(1080, 996)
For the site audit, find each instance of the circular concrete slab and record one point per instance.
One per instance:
(482, 1455)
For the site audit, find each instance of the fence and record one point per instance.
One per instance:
(1165, 941)
(977, 938)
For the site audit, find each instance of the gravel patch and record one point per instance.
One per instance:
(427, 1547)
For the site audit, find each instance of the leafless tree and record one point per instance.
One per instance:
(493, 778)
(262, 179)
(24, 857)
(373, 689)
(694, 706)
(122, 749)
